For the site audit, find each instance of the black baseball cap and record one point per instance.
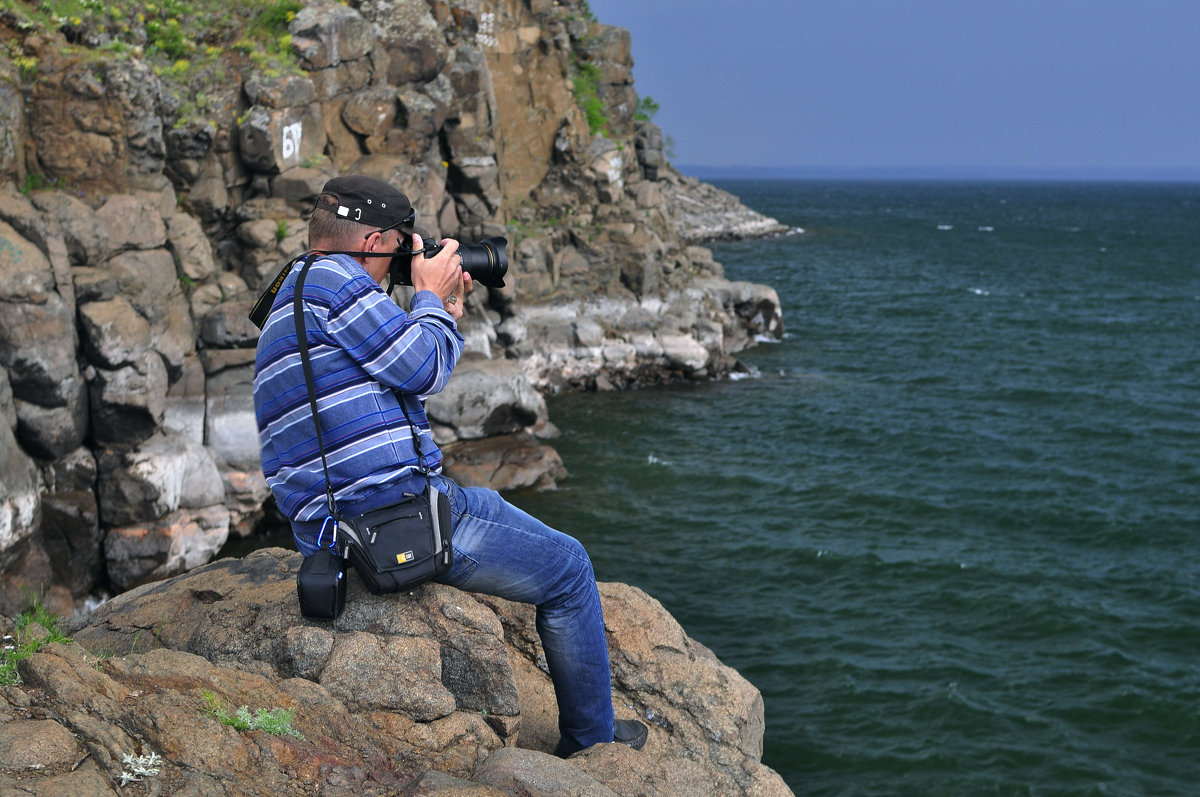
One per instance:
(366, 200)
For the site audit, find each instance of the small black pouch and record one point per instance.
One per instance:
(403, 545)
(321, 585)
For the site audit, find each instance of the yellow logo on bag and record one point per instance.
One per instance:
(402, 558)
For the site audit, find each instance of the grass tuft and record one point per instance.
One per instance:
(26, 639)
(275, 721)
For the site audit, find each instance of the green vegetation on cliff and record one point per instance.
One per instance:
(168, 30)
(175, 36)
(586, 80)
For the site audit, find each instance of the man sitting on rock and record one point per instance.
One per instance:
(369, 356)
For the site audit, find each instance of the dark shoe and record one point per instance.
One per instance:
(630, 732)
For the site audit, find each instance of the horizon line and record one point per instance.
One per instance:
(1086, 173)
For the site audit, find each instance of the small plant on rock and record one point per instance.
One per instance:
(140, 767)
(24, 642)
(275, 721)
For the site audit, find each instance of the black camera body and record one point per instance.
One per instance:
(486, 261)
(321, 585)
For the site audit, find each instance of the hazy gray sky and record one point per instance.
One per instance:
(1096, 85)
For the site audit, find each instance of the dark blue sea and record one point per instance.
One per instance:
(949, 526)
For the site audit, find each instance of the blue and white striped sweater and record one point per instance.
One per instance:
(367, 356)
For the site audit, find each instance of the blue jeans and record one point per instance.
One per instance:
(500, 550)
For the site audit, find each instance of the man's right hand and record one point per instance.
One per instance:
(441, 273)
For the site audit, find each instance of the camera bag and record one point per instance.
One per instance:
(400, 546)
(396, 547)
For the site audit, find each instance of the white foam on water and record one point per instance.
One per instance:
(653, 460)
(981, 291)
(944, 227)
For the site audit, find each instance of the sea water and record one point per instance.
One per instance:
(949, 524)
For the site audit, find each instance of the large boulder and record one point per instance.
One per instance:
(133, 222)
(165, 473)
(486, 398)
(163, 504)
(504, 462)
(191, 248)
(431, 692)
(325, 34)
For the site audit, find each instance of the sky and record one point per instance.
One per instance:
(1102, 88)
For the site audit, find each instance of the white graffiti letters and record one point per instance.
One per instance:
(291, 140)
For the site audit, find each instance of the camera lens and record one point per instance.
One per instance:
(486, 261)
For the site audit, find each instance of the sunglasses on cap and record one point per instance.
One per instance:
(405, 224)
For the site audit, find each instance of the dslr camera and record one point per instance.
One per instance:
(486, 261)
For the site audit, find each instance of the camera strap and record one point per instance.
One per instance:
(302, 345)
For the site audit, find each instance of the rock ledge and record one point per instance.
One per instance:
(434, 692)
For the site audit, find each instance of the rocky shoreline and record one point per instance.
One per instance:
(137, 230)
(706, 213)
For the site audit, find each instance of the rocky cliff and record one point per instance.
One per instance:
(157, 164)
(160, 162)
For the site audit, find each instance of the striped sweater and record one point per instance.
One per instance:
(367, 356)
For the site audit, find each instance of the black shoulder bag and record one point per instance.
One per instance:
(396, 547)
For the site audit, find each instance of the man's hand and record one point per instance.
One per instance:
(442, 274)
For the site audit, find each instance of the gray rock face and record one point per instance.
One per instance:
(37, 349)
(21, 493)
(129, 450)
(85, 234)
(190, 246)
(114, 334)
(133, 222)
(326, 34)
(128, 403)
(273, 140)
